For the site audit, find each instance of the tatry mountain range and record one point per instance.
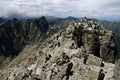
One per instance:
(52, 48)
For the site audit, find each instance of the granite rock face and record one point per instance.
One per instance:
(15, 35)
(95, 39)
(108, 47)
(77, 53)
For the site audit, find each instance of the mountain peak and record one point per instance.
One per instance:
(42, 22)
(88, 34)
(15, 34)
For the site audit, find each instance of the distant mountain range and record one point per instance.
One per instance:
(2, 20)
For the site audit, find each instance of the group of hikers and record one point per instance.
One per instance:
(86, 23)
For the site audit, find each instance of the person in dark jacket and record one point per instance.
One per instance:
(48, 56)
(101, 75)
(85, 58)
(102, 64)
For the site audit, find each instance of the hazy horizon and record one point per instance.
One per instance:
(108, 9)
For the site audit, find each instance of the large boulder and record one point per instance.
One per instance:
(92, 60)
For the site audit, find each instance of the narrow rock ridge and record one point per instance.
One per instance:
(82, 51)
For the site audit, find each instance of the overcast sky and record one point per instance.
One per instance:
(61, 8)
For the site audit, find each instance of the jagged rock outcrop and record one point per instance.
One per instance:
(108, 47)
(42, 22)
(63, 56)
(95, 39)
(15, 35)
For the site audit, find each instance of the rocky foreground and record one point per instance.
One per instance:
(80, 52)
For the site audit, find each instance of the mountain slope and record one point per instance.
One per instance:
(115, 27)
(15, 35)
(62, 56)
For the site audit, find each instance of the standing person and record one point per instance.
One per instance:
(48, 56)
(102, 64)
(101, 75)
(85, 58)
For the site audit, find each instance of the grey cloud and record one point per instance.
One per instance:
(62, 8)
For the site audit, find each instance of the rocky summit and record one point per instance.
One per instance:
(84, 50)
